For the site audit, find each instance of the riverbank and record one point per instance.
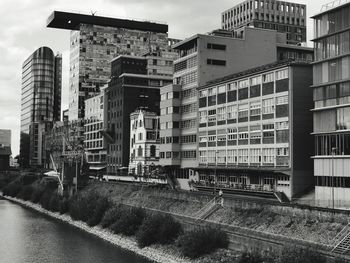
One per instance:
(155, 253)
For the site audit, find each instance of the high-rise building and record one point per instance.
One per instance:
(144, 142)
(130, 88)
(5, 137)
(40, 102)
(255, 129)
(202, 59)
(285, 17)
(331, 88)
(94, 42)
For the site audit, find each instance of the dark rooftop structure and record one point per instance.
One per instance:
(71, 21)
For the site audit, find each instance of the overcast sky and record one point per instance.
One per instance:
(23, 30)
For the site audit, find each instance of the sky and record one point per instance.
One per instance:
(23, 30)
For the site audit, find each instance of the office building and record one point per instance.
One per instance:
(94, 42)
(285, 17)
(130, 88)
(5, 137)
(94, 144)
(144, 143)
(202, 59)
(331, 112)
(255, 130)
(40, 102)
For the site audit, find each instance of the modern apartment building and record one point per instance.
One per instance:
(285, 17)
(144, 143)
(331, 112)
(130, 88)
(94, 42)
(40, 102)
(94, 144)
(5, 137)
(254, 130)
(202, 59)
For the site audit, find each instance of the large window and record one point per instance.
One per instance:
(343, 118)
(325, 143)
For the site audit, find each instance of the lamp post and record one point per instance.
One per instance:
(215, 171)
(333, 153)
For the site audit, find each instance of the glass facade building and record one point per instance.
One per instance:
(331, 111)
(40, 102)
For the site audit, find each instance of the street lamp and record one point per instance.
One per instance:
(333, 153)
(215, 171)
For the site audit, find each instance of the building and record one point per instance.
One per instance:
(94, 42)
(130, 88)
(5, 137)
(144, 143)
(285, 17)
(202, 59)
(254, 130)
(40, 102)
(331, 112)
(5, 153)
(94, 144)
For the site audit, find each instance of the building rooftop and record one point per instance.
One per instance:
(332, 6)
(71, 21)
(253, 71)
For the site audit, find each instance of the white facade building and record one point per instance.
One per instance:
(144, 143)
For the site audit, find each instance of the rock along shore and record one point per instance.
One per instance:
(127, 243)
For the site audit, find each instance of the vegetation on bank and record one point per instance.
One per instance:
(149, 228)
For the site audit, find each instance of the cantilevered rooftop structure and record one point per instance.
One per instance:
(94, 42)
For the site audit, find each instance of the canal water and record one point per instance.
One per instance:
(29, 237)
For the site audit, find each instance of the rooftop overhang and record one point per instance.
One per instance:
(71, 21)
(186, 43)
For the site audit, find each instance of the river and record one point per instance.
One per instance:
(29, 237)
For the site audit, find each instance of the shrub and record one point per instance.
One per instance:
(101, 206)
(26, 192)
(12, 189)
(37, 194)
(63, 206)
(300, 255)
(54, 202)
(251, 257)
(202, 241)
(111, 216)
(129, 221)
(45, 199)
(157, 228)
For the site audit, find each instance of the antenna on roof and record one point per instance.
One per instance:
(93, 12)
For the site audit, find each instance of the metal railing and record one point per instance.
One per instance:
(333, 4)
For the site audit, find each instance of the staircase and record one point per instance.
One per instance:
(341, 243)
(209, 209)
(282, 198)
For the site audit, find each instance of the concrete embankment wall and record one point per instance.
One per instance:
(251, 224)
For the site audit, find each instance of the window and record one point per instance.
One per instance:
(268, 77)
(268, 106)
(216, 62)
(255, 81)
(232, 113)
(221, 112)
(216, 46)
(243, 113)
(282, 74)
(268, 155)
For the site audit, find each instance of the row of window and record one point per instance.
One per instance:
(272, 156)
(329, 181)
(177, 155)
(94, 144)
(176, 139)
(186, 79)
(328, 144)
(332, 95)
(253, 111)
(94, 127)
(170, 95)
(185, 64)
(332, 70)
